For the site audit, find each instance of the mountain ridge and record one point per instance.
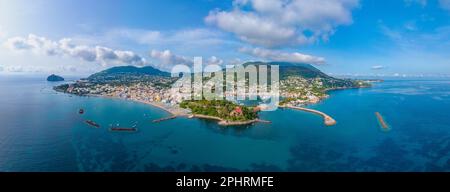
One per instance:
(287, 70)
(150, 70)
(292, 69)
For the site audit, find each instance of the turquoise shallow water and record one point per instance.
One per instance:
(42, 131)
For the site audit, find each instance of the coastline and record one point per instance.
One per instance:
(223, 122)
(176, 111)
(346, 88)
(172, 112)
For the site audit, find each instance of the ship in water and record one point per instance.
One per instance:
(92, 123)
(382, 122)
(81, 111)
(123, 129)
(118, 128)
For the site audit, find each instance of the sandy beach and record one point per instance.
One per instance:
(173, 110)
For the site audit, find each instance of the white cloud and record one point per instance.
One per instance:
(253, 29)
(377, 67)
(445, 4)
(273, 55)
(235, 61)
(167, 59)
(273, 23)
(38, 69)
(14, 69)
(66, 47)
(3, 33)
(213, 60)
(33, 43)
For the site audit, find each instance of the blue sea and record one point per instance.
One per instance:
(41, 130)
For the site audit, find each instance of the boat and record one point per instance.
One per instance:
(92, 123)
(123, 129)
(81, 111)
(382, 122)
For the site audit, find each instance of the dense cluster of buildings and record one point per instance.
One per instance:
(301, 91)
(146, 92)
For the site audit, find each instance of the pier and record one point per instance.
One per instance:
(328, 120)
(164, 119)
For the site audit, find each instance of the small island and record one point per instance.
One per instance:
(55, 78)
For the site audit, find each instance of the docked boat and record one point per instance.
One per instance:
(123, 129)
(92, 123)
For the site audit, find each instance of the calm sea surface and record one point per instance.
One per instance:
(41, 130)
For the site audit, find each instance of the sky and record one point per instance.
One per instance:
(341, 37)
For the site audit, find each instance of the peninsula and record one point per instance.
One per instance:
(225, 112)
